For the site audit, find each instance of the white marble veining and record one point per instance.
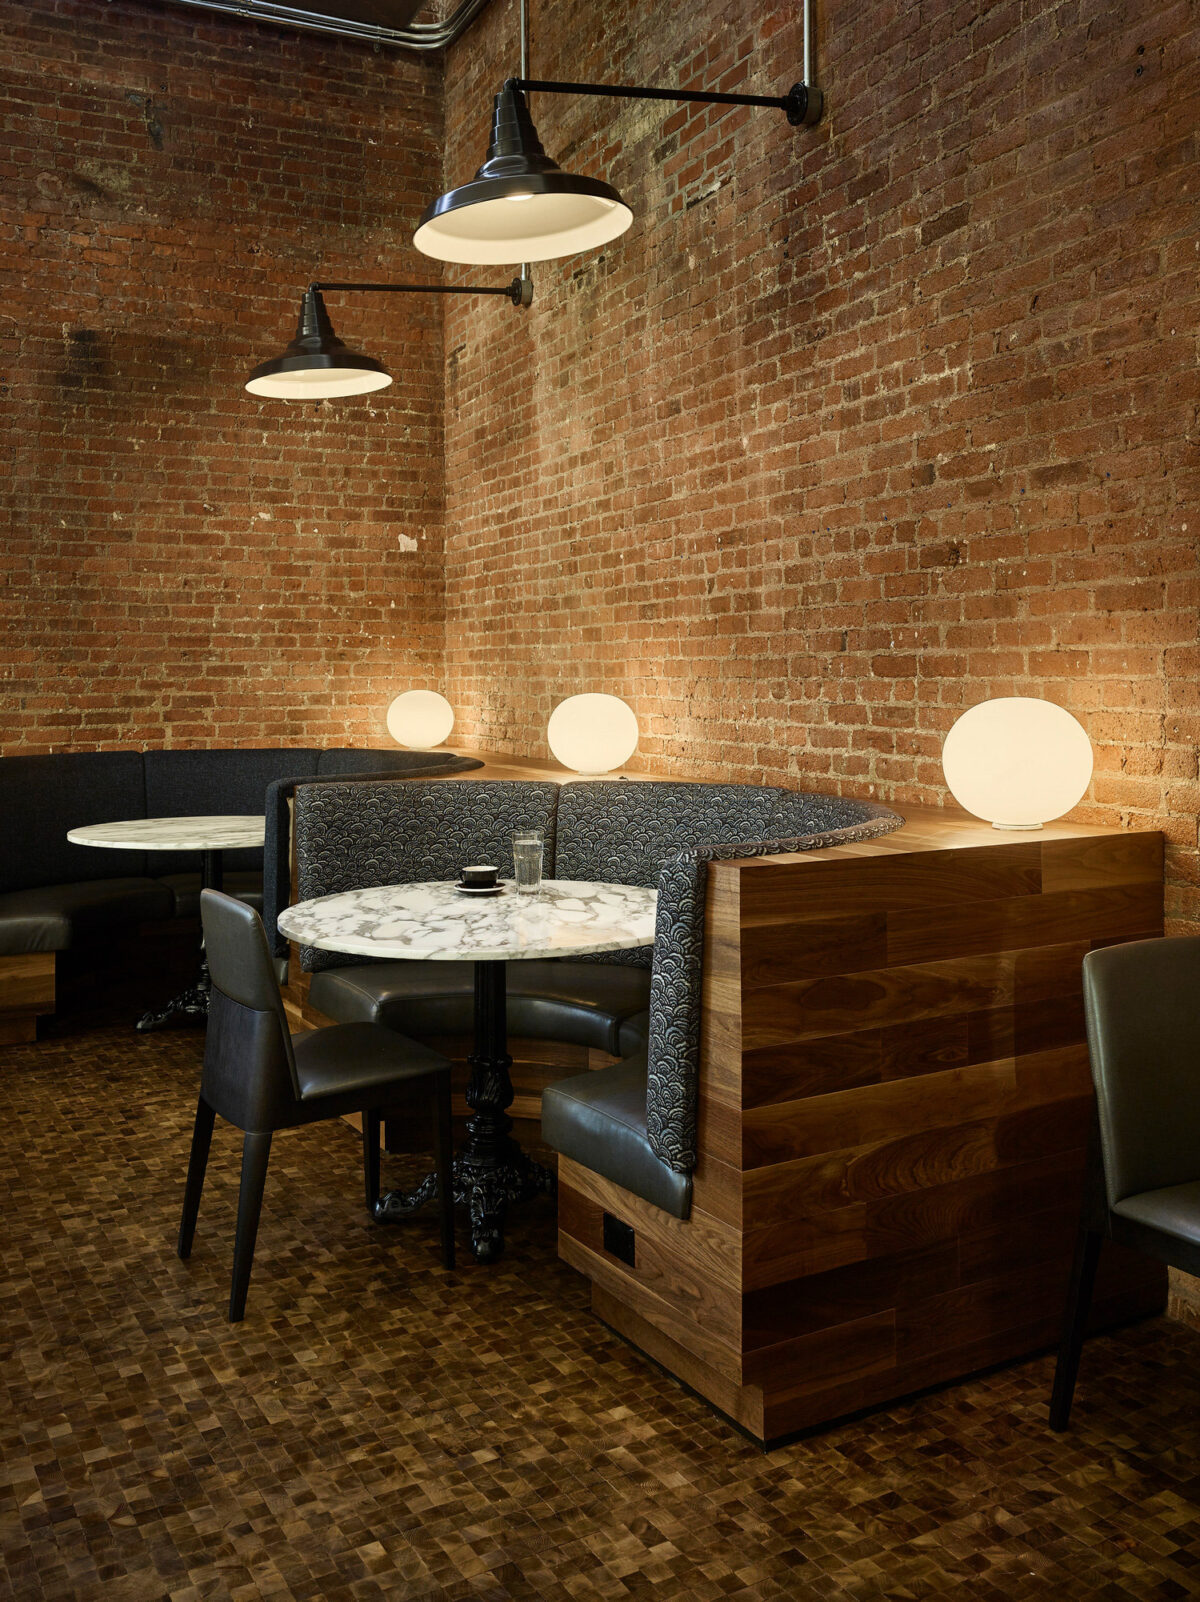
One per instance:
(568, 917)
(220, 833)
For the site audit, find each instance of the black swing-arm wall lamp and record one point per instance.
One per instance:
(521, 206)
(317, 365)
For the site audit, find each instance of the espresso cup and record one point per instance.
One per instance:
(481, 876)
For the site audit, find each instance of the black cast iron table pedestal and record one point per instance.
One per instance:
(190, 1005)
(491, 1170)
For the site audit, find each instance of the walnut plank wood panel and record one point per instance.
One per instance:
(26, 993)
(893, 1119)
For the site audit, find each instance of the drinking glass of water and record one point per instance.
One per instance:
(527, 861)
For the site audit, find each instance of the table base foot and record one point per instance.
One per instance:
(485, 1189)
(189, 1007)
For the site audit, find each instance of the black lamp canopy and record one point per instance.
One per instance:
(521, 206)
(317, 365)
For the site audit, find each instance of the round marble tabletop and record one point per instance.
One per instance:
(220, 833)
(567, 917)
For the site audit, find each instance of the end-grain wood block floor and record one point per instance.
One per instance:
(380, 1428)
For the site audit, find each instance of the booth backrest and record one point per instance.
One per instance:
(333, 767)
(200, 783)
(41, 797)
(622, 832)
(356, 836)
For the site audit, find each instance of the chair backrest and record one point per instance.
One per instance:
(359, 835)
(249, 1068)
(1142, 1003)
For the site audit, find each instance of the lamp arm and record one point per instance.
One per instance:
(798, 103)
(520, 291)
(803, 102)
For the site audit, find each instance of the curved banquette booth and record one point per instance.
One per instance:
(635, 1121)
(55, 896)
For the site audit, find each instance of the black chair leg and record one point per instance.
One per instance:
(370, 1133)
(443, 1161)
(197, 1164)
(1079, 1300)
(256, 1151)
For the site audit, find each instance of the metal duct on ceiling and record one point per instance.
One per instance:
(356, 19)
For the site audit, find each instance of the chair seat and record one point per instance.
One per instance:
(599, 1121)
(50, 917)
(357, 1058)
(579, 1003)
(1174, 1211)
(245, 886)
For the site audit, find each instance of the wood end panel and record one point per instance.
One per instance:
(27, 992)
(742, 1403)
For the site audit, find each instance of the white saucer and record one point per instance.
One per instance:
(480, 889)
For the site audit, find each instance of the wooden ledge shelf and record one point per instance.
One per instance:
(894, 1109)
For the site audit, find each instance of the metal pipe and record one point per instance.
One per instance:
(416, 36)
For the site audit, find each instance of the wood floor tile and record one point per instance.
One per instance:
(378, 1428)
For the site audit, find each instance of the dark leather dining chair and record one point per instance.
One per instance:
(260, 1078)
(1142, 1002)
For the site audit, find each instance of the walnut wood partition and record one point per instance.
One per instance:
(895, 1103)
(26, 992)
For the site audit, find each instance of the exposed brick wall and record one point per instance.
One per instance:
(187, 564)
(856, 426)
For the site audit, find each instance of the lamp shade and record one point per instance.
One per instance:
(317, 365)
(420, 719)
(592, 733)
(1017, 761)
(520, 206)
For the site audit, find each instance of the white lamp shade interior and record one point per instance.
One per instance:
(513, 229)
(592, 733)
(1017, 761)
(420, 719)
(318, 383)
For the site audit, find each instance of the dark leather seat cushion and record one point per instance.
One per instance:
(185, 887)
(51, 917)
(599, 1121)
(579, 1003)
(1176, 1210)
(357, 1058)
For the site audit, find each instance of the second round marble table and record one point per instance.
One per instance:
(211, 836)
(434, 921)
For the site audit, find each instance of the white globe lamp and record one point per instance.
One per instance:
(420, 719)
(592, 734)
(1017, 762)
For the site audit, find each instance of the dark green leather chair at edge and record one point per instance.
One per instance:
(260, 1079)
(1142, 1002)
